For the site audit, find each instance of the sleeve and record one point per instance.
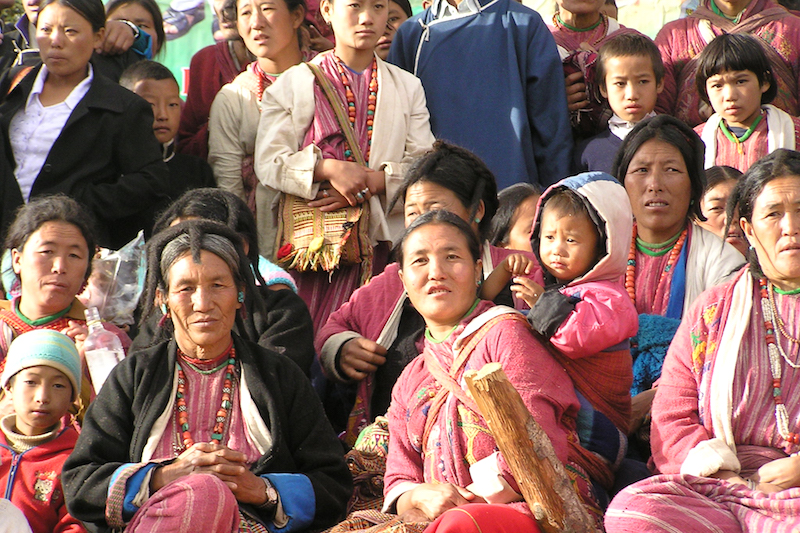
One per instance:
(287, 109)
(225, 151)
(289, 330)
(140, 176)
(676, 428)
(143, 45)
(550, 311)
(668, 98)
(548, 116)
(194, 129)
(602, 318)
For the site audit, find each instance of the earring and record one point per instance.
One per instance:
(477, 220)
(240, 297)
(164, 309)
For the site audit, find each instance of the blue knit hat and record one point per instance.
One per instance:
(44, 347)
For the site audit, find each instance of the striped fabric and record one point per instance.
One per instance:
(650, 298)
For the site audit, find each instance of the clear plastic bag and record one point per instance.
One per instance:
(117, 281)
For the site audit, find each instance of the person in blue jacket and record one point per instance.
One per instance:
(493, 83)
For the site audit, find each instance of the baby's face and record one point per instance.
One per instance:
(164, 97)
(567, 245)
(631, 86)
(41, 396)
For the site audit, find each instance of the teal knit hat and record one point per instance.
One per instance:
(44, 347)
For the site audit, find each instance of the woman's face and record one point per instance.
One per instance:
(439, 274)
(52, 267)
(424, 196)
(396, 17)
(267, 27)
(713, 204)
(137, 14)
(66, 40)
(775, 231)
(659, 189)
(356, 25)
(202, 300)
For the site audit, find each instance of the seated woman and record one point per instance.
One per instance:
(372, 337)
(671, 261)
(276, 318)
(52, 242)
(441, 453)
(725, 422)
(205, 431)
(73, 131)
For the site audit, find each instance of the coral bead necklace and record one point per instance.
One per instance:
(674, 253)
(351, 104)
(182, 413)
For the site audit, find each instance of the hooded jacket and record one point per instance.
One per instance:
(589, 320)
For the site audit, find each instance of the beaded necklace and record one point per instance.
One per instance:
(738, 141)
(351, 104)
(264, 79)
(558, 21)
(225, 404)
(630, 269)
(775, 352)
(778, 319)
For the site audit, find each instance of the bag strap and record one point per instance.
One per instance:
(341, 113)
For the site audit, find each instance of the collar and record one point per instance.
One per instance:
(168, 150)
(621, 128)
(74, 96)
(23, 25)
(22, 443)
(443, 9)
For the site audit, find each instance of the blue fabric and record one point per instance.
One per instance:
(649, 348)
(132, 487)
(502, 94)
(143, 45)
(677, 289)
(298, 501)
(597, 153)
(273, 274)
(598, 434)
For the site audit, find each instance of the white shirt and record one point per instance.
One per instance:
(35, 128)
(621, 128)
(446, 10)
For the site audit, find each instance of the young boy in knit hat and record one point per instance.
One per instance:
(42, 377)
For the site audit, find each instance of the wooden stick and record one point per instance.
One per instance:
(529, 453)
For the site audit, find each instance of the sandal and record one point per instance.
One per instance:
(182, 21)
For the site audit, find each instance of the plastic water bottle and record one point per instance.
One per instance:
(102, 348)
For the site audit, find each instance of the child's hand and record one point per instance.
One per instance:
(518, 264)
(527, 290)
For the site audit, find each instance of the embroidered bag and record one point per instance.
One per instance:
(310, 239)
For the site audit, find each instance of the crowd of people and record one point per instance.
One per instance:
(354, 207)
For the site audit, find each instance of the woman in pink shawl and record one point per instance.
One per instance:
(726, 420)
(441, 454)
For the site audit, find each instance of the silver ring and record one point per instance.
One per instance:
(360, 196)
(365, 191)
(325, 193)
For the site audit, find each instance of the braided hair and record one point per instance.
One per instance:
(458, 170)
(194, 236)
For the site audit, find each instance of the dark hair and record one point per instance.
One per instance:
(778, 164)
(194, 236)
(735, 51)
(57, 208)
(92, 10)
(290, 4)
(218, 205)
(405, 5)
(459, 170)
(439, 216)
(670, 130)
(720, 173)
(628, 44)
(509, 200)
(151, 7)
(145, 70)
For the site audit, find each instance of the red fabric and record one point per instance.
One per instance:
(483, 518)
(197, 502)
(36, 486)
(210, 69)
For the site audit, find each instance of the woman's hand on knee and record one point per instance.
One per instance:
(434, 498)
(359, 357)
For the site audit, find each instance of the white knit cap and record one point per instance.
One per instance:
(44, 347)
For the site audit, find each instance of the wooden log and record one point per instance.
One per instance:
(529, 453)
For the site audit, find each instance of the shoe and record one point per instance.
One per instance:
(178, 23)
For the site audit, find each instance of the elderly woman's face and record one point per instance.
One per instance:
(202, 300)
(426, 196)
(52, 268)
(439, 274)
(775, 231)
(659, 189)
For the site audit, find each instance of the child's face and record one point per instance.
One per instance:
(164, 97)
(41, 396)
(568, 244)
(631, 87)
(736, 96)
(713, 206)
(396, 17)
(356, 25)
(519, 235)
